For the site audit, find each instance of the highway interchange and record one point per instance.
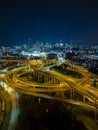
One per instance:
(15, 79)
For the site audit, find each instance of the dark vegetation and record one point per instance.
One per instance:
(93, 70)
(46, 115)
(64, 69)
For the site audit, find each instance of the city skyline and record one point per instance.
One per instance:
(48, 21)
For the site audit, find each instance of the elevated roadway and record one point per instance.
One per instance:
(53, 82)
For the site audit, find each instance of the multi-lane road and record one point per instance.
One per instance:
(14, 78)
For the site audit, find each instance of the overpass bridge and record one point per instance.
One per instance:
(53, 85)
(40, 82)
(43, 83)
(52, 81)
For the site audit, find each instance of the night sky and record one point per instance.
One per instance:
(48, 21)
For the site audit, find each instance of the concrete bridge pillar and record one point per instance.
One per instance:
(56, 81)
(83, 98)
(71, 93)
(39, 100)
(59, 82)
(52, 80)
(49, 79)
(46, 78)
(63, 96)
(96, 113)
(40, 77)
(35, 75)
(43, 79)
